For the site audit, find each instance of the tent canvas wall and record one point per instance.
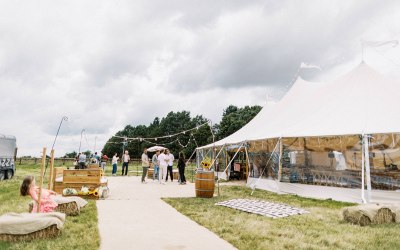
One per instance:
(353, 115)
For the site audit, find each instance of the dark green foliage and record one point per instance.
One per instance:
(235, 118)
(171, 124)
(175, 122)
(73, 154)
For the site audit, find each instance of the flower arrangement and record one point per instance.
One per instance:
(69, 191)
(206, 163)
(84, 191)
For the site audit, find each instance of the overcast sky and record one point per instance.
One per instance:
(106, 64)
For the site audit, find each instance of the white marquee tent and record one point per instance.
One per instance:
(362, 103)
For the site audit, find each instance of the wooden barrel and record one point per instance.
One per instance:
(205, 184)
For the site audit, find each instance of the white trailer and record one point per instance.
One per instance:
(8, 153)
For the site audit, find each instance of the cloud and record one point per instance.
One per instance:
(108, 64)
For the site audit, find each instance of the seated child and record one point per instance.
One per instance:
(47, 204)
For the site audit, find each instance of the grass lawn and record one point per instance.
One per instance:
(321, 229)
(80, 232)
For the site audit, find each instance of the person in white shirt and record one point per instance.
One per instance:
(170, 160)
(114, 164)
(163, 163)
(125, 160)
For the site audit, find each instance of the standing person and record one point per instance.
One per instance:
(181, 167)
(125, 162)
(154, 160)
(97, 157)
(145, 164)
(104, 160)
(170, 161)
(76, 162)
(163, 163)
(82, 161)
(114, 164)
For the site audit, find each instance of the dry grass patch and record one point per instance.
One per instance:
(321, 229)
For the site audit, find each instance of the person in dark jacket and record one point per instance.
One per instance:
(181, 167)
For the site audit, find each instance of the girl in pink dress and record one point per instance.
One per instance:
(47, 204)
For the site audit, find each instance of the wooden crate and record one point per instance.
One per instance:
(77, 178)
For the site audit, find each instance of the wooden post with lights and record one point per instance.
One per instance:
(50, 185)
(41, 179)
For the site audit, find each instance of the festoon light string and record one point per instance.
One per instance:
(146, 139)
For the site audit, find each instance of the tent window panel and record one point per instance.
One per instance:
(259, 166)
(385, 161)
(320, 161)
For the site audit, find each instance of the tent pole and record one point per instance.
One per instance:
(362, 171)
(367, 166)
(241, 145)
(280, 159)
(247, 163)
(216, 157)
(255, 184)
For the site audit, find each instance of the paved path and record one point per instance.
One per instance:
(134, 217)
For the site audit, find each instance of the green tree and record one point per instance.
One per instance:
(234, 118)
(72, 154)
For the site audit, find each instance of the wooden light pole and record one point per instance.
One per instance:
(41, 178)
(50, 185)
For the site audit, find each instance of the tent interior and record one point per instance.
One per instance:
(319, 139)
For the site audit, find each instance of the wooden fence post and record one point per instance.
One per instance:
(50, 185)
(41, 178)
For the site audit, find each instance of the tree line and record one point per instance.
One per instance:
(233, 118)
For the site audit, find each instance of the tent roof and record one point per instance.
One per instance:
(300, 90)
(360, 102)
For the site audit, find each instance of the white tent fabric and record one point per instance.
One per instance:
(290, 107)
(360, 102)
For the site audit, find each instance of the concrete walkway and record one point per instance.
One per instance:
(134, 217)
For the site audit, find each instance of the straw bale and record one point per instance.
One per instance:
(384, 215)
(49, 232)
(355, 216)
(395, 208)
(70, 208)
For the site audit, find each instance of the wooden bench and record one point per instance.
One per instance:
(77, 178)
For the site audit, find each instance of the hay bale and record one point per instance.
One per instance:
(384, 215)
(355, 216)
(70, 208)
(395, 208)
(49, 232)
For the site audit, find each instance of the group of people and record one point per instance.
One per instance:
(80, 161)
(162, 162)
(125, 163)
